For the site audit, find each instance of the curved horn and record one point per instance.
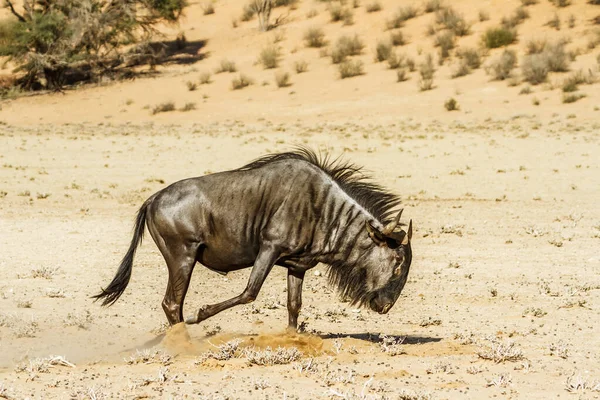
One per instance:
(389, 228)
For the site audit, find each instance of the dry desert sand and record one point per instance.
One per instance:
(503, 296)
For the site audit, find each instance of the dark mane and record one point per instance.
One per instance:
(371, 196)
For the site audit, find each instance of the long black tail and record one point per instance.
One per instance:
(116, 288)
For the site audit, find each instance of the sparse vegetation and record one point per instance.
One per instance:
(498, 37)
(432, 5)
(163, 107)
(426, 72)
(528, 2)
(554, 22)
(501, 67)
(301, 66)
(346, 46)
(401, 74)
(350, 68)
(383, 50)
(205, 78)
(208, 8)
(374, 6)
(392, 346)
(282, 79)
(397, 38)
(499, 352)
(451, 104)
(561, 3)
(268, 356)
(448, 18)
(241, 82)
(58, 42)
(572, 97)
(269, 56)
(189, 106)
(315, 37)
(445, 41)
(534, 68)
(483, 16)
(226, 66)
(518, 17)
(402, 15)
(191, 85)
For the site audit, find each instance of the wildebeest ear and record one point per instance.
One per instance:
(375, 235)
(408, 235)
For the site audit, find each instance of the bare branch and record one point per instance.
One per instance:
(15, 13)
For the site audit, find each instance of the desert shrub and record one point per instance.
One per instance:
(226, 66)
(383, 51)
(471, 57)
(301, 66)
(191, 86)
(205, 78)
(374, 6)
(426, 73)
(528, 2)
(483, 16)
(402, 15)
(401, 74)
(269, 56)
(572, 21)
(350, 68)
(557, 57)
(262, 9)
(397, 38)
(163, 107)
(571, 83)
(432, 5)
(561, 3)
(208, 8)
(535, 46)
(525, 90)
(572, 97)
(314, 37)
(452, 20)
(336, 12)
(348, 17)
(346, 46)
(58, 40)
(410, 63)
(518, 16)
(247, 13)
(554, 22)
(534, 68)
(241, 82)
(282, 79)
(188, 107)
(445, 41)
(501, 67)
(395, 61)
(462, 69)
(498, 37)
(451, 104)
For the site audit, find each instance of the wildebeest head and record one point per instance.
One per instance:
(389, 261)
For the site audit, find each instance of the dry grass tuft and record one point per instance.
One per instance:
(374, 6)
(500, 352)
(402, 15)
(350, 68)
(44, 272)
(451, 104)
(43, 365)
(392, 346)
(314, 37)
(269, 56)
(205, 78)
(578, 384)
(226, 66)
(346, 46)
(282, 79)
(224, 352)
(163, 107)
(281, 355)
(149, 356)
(301, 66)
(383, 50)
(241, 82)
(426, 72)
(450, 19)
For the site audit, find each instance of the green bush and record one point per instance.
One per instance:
(51, 39)
(498, 37)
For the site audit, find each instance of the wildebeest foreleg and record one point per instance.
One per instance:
(294, 302)
(262, 266)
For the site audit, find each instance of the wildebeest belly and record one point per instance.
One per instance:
(226, 259)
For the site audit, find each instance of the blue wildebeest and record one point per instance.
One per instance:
(290, 209)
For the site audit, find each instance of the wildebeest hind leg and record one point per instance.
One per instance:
(180, 266)
(262, 266)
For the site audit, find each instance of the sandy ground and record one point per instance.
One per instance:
(503, 296)
(505, 251)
